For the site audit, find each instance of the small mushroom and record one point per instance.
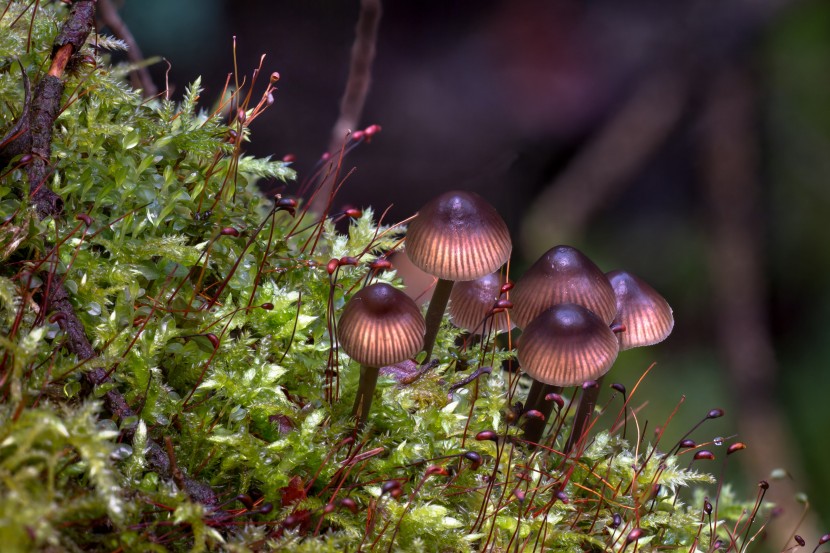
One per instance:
(645, 315)
(472, 303)
(562, 275)
(567, 345)
(643, 318)
(379, 326)
(457, 236)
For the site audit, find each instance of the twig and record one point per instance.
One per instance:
(18, 140)
(178, 477)
(45, 106)
(140, 76)
(357, 88)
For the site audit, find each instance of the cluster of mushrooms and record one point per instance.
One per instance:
(574, 318)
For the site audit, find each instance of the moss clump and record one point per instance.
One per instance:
(210, 310)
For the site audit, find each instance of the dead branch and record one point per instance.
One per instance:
(357, 88)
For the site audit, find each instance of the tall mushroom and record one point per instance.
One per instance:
(456, 236)
(564, 346)
(563, 274)
(379, 326)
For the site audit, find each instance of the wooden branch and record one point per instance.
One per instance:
(46, 103)
(357, 88)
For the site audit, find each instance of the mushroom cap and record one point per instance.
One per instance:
(567, 345)
(458, 236)
(646, 315)
(380, 326)
(562, 275)
(472, 300)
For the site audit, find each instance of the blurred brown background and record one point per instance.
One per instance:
(686, 141)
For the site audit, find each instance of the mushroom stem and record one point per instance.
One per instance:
(365, 393)
(587, 403)
(435, 313)
(534, 427)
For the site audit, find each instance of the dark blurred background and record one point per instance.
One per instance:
(686, 141)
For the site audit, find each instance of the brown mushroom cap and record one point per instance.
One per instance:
(472, 300)
(458, 236)
(645, 314)
(567, 345)
(562, 275)
(380, 326)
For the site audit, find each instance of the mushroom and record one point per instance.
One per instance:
(379, 326)
(473, 301)
(563, 274)
(643, 318)
(645, 315)
(565, 345)
(457, 236)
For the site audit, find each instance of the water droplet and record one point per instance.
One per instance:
(121, 452)
(107, 425)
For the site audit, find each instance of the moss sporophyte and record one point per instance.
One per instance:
(188, 365)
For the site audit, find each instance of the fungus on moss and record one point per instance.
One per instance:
(456, 236)
(379, 326)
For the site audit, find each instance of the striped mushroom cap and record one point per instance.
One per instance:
(645, 314)
(562, 275)
(472, 300)
(458, 236)
(567, 345)
(380, 326)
